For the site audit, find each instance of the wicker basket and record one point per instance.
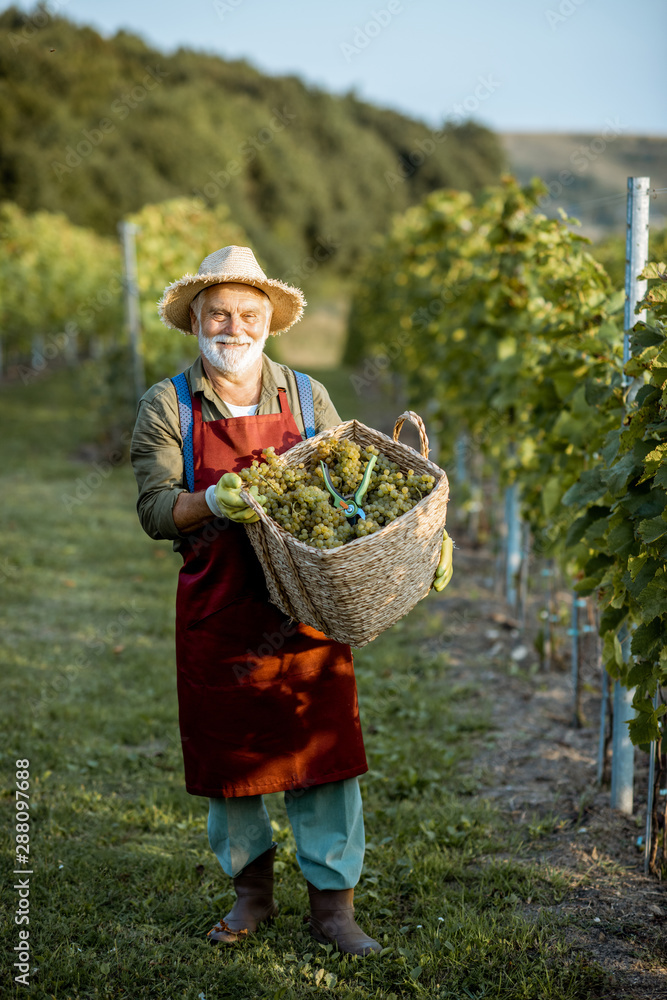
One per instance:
(354, 592)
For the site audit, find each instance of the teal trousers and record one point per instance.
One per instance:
(328, 825)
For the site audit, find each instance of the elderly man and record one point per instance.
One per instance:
(265, 704)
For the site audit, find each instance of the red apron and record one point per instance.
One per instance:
(265, 703)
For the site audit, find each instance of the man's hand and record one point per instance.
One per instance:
(443, 573)
(226, 495)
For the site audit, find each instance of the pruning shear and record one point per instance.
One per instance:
(350, 503)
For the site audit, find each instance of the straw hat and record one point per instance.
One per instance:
(230, 264)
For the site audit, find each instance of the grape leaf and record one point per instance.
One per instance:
(588, 489)
(653, 599)
(620, 472)
(654, 270)
(647, 639)
(653, 529)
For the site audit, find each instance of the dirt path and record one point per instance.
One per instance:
(541, 768)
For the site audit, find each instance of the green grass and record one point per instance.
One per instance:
(124, 885)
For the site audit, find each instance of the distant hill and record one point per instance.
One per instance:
(98, 127)
(588, 173)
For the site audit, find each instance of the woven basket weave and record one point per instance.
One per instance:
(354, 592)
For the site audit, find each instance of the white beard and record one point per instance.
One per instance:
(231, 360)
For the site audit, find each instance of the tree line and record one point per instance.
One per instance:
(96, 128)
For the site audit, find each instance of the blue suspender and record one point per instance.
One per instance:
(185, 415)
(304, 389)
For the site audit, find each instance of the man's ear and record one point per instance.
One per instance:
(194, 325)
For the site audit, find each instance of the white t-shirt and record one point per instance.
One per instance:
(241, 411)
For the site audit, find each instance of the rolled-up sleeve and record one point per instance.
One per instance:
(157, 460)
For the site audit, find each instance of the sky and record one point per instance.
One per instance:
(515, 65)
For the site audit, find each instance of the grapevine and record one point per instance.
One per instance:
(623, 521)
(511, 328)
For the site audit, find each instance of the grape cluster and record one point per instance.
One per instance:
(297, 498)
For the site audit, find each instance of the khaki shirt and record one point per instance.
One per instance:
(157, 445)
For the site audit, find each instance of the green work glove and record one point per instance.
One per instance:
(227, 497)
(443, 573)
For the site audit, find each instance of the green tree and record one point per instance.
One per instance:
(98, 127)
(172, 240)
(58, 282)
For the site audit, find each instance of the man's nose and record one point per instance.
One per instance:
(234, 323)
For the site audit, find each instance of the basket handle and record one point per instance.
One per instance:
(419, 424)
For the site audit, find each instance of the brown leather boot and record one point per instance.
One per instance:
(254, 901)
(332, 921)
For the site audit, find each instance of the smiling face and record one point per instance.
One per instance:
(231, 322)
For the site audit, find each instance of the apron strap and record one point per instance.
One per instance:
(305, 391)
(186, 419)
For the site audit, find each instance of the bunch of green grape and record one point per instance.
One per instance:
(297, 499)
